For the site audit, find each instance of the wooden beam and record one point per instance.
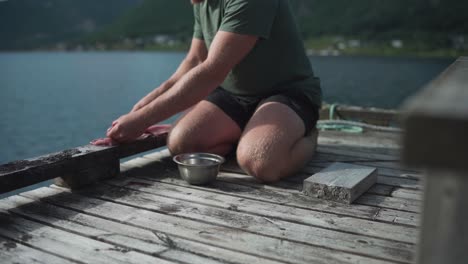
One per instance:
(75, 167)
(436, 122)
(341, 182)
(436, 139)
(444, 236)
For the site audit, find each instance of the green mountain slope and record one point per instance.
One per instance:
(382, 16)
(317, 17)
(26, 24)
(422, 24)
(174, 17)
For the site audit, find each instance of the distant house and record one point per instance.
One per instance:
(459, 42)
(354, 43)
(397, 43)
(164, 40)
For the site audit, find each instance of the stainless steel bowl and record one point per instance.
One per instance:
(198, 168)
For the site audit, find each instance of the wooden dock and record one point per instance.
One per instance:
(150, 215)
(140, 211)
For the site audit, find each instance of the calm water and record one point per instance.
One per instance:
(53, 101)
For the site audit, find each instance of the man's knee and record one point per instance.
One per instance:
(179, 141)
(257, 166)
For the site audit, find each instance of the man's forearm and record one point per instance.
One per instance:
(156, 92)
(184, 67)
(193, 87)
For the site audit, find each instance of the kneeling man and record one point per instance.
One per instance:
(247, 83)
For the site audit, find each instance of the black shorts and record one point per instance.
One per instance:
(241, 108)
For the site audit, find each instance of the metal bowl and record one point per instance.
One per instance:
(198, 168)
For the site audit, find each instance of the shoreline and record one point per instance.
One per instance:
(310, 53)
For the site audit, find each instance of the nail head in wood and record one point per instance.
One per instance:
(340, 182)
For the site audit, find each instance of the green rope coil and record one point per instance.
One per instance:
(349, 126)
(338, 126)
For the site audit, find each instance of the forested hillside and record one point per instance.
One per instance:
(173, 17)
(372, 17)
(424, 27)
(29, 24)
(421, 24)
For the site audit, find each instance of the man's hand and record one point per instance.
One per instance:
(127, 128)
(155, 130)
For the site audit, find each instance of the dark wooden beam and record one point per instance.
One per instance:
(74, 167)
(436, 139)
(436, 122)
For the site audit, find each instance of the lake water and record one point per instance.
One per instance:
(50, 101)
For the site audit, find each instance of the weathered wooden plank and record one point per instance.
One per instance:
(295, 199)
(394, 164)
(354, 153)
(322, 161)
(407, 194)
(406, 205)
(398, 217)
(379, 189)
(340, 182)
(128, 236)
(391, 153)
(281, 193)
(67, 245)
(227, 237)
(384, 186)
(262, 225)
(78, 166)
(278, 206)
(12, 252)
(400, 182)
(295, 188)
(243, 186)
(442, 106)
(367, 139)
(377, 196)
(444, 236)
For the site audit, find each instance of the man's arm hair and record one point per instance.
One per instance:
(227, 50)
(196, 55)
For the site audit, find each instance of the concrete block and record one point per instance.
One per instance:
(340, 182)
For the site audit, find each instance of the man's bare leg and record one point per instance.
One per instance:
(273, 145)
(205, 128)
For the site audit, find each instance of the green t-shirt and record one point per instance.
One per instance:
(277, 62)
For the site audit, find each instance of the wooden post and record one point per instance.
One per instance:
(436, 139)
(73, 168)
(89, 171)
(444, 237)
